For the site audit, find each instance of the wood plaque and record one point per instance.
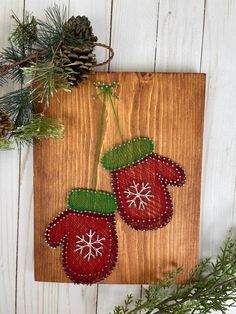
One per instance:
(169, 108)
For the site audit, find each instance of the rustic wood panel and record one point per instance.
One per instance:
(166, 107)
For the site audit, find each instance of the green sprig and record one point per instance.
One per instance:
(6, 144)
(18, 105)
(24, 36)
(211, 287)
(35, 53)
(39, 127)
(51, 31)
(47, 79)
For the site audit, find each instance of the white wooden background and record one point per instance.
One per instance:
(147, 35)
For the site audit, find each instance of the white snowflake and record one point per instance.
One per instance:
(138, 195)
(89, 245)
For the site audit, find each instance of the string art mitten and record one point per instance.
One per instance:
(87, 233)
(139, 179)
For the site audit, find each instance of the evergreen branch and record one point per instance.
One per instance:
(211, 286)
(47, 79)
(47, 36)
(6, 144)
(18, 61)
(57, 54)
(20, 48)
(37, 41)
(54, 30)
(51, 32)
(39, 127)
(25, 32)
(18, 105)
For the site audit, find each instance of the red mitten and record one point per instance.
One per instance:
(139, 180)
(87, 233)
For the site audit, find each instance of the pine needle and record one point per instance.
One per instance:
(51, 31)
(24, 36)
(47, 79)
(18, 105)
(211, 287)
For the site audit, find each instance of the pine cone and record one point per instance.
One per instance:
(78, 61)
(5, 124)
(80, 28)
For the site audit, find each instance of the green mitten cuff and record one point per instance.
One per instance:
(83, 200)
(127, 153)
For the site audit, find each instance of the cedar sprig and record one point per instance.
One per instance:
(211, 287)
(6, 144)
(39, 127)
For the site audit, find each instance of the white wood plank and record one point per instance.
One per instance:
(134, 26)
(9, 170)
(179, 36)
(112, 295)
(219, 166)
(8, 229)
(38, 297)
(218, 61)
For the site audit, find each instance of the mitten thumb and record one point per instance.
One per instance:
(58, 229)
(169, 171)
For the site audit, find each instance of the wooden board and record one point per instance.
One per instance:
(169, 108)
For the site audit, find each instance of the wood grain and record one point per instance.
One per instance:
(166, 107)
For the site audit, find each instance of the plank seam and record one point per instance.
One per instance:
(157, 33)
(96, 310)
(17, 228)
(18, 207)
(203, 33)
(234, 201)
(68, 11)
(110, 33)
